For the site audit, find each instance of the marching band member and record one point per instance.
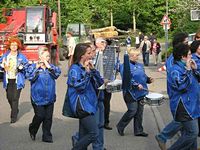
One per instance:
(42, 76)
(134, 95)
(174, 126)
(13, 64)
(83, 79)
(195, 50)
(183, 91)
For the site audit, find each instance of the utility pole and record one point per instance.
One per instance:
(111, 17)
(59, 19)
(134, 22)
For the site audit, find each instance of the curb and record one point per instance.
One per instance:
(160, 123)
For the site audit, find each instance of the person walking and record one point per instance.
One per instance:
(102, 52)
(145, 47)
(195, 50)
(71, 43)
(83, 79)
(42, 76)
(174, 126)
(155, 49)
(183, 91)
(134, 96)
(13, 64)
(128, 41)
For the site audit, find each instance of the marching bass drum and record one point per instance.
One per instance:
(114, 86)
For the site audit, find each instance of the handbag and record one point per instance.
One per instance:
(67, 111)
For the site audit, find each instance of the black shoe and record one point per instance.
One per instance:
(107, 127)
(31, 134)
(13, 120)
(142, 134)
(47, 140)
(121, 132)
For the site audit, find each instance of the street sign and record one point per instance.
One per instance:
(165, 22)
(195, 15)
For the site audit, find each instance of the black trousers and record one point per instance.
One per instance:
(44, 115)
(13, 94)
(107, 98)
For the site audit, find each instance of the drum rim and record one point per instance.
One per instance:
(154, 98)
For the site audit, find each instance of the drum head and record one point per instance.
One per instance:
(154, 96)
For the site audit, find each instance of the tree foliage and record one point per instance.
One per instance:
(148, 13)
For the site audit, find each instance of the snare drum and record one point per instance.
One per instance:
(154, 99)
(114, 86)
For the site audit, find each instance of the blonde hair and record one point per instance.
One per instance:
(134, 51)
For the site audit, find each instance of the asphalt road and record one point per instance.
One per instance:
(16, 136)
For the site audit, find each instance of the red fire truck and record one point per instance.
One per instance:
(35, 26)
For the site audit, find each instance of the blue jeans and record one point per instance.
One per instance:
(99, 143)
(188, 139)
(135, 110)
(169, 131)
(88, 132)
(145, 56)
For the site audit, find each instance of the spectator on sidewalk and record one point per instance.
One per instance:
(128, 41)
(155, 50)
(141, 36)
(152, 37)
(145, 47)
(71, 43)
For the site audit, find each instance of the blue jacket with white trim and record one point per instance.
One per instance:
(183, 86)
(20, 78)
(43, 86)
(82, 86)
(138, 76)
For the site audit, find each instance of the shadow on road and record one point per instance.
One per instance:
(24, 108)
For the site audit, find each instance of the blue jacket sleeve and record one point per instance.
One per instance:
(24, 63)
(78, 81)
(32, 72)
(1, 60)
(181, 81)
(54, 71)
(97, 78)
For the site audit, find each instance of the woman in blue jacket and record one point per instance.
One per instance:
(195, 50)
(13, 64)
(42, 76)
(134, 95)
(83, 80)
(183, 91)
